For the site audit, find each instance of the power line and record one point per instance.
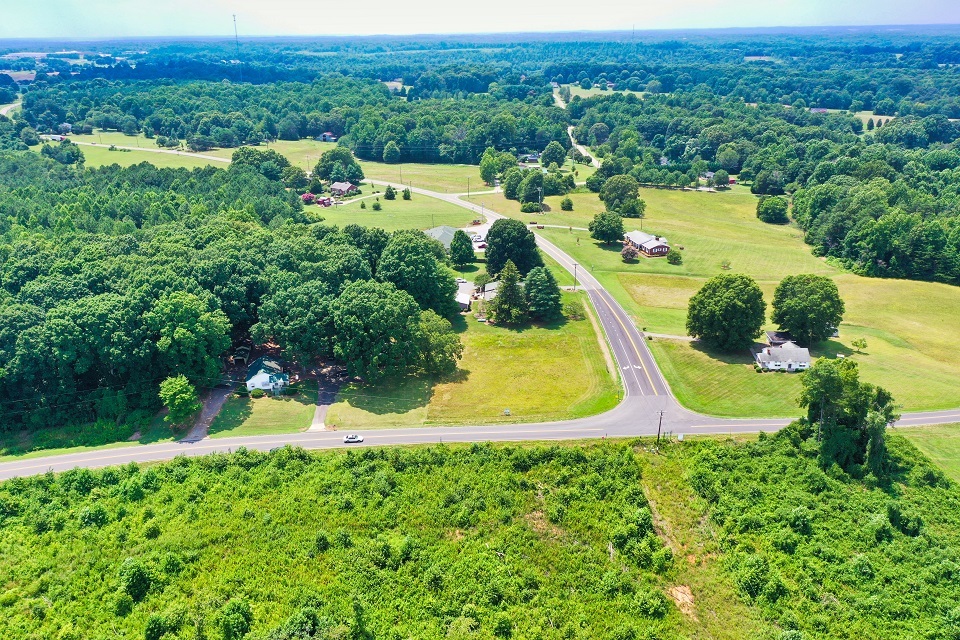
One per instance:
(237, 40)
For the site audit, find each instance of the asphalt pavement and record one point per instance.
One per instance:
(648, 407)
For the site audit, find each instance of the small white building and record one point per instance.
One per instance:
(267, 374)
(785, 357)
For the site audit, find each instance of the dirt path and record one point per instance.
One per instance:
(212, 403)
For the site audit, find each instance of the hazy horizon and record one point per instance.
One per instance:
(118, 19)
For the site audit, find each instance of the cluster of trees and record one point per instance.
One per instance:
(728, 312)
(364, 114)
(114, 280)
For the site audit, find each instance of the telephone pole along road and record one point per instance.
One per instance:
(646, 395)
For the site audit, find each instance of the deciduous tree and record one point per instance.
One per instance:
(607, 227)
(808, 306)
(727, 313)
(511, 240)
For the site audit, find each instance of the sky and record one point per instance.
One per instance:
(131, 18)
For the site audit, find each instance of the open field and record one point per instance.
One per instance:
(102, 156)
(572, 381)
(420, 212)
(266, 415)
(940, 443)
(577, 90)
(910, 346)
(444, 178)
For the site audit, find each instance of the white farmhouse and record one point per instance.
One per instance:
(785, 357)
(266, 374)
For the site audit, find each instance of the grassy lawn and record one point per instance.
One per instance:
(577, 90)
(940, 443)
(910, 345)
(420, 212)
(102, 156)
(539, 373)
(445, 178)
(266, 415)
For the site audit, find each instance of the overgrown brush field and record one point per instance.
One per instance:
(738, 539)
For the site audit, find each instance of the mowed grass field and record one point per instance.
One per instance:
(940, 443)
(538, 373)
(444, 178)
(100, 156)
(910, 327)
(420, 212)
(577, 90)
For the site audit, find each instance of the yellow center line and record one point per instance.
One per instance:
(634, 344)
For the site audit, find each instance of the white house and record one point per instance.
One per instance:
(786, 357)
(267, 374)
(649, 245)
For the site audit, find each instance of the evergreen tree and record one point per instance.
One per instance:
(543, 294)
(389, 193)
(461, 249)
(510, 304)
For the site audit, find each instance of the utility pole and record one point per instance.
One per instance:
(468, 187)
(659, 424)
(236, 39)
(540, 191)
(574, 276)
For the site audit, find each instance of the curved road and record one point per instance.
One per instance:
(646, 396)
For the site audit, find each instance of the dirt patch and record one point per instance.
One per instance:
(539, 523)
(662, 527)
(683, 598)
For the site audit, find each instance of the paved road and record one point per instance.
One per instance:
(172, 152)
(646, 396)
(7, 108)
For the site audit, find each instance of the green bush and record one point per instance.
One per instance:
(651, 603)
(674, 257)
(135, 579)
(257, 393)
(377, 206)
(530, 207)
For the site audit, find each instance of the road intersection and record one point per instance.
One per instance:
(648, 407)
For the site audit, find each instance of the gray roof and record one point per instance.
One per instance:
(645, 240)
(341, 186)
(442, 233)
(787, 352)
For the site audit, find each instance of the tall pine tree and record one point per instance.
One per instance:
(510, 304)
(543, 294)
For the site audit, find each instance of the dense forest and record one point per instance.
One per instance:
(113, 280)
(364, 114)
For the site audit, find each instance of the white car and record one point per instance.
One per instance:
(352, 438)
(461, 281)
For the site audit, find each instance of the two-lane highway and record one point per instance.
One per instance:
(647, 401)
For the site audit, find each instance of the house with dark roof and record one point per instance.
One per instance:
(777, 338)
(327, 136)
(266, 373)
(786, 357)
(649, 245)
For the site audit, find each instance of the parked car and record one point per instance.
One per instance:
(352, 438)
(482, 245)
(461, 281)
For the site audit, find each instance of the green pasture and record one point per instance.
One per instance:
(420, 212)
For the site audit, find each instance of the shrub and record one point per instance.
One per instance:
(674, 257)
(377, 206)
(651, 603)
(93, 516)
(406, 194)
(530, 207)
(629, 252)
(390, 193)
(122, 604)
(257, 393)
(574, 310)
(752, 577)
(321, 543)
(502, 625)
(363, 205)
(156, 627)
(152, 531)
(135, 579)
(566, 204)
(235, 620)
